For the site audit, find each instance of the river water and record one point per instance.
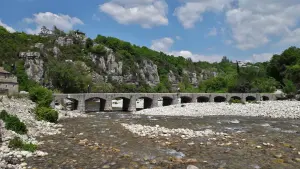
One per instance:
(102, 142)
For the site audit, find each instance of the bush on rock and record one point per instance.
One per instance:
(3, 115)
(17, 143)
(47, 114)
(13, 123)
(41, 95)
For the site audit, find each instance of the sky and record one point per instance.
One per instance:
(206, 30)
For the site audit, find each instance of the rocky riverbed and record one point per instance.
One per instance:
(23, 109)
(136, 140)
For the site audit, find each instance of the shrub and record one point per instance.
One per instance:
(13, 123)
(16, 143)
(3, 115)
(29, 147)
(41, 95)
(47, 114)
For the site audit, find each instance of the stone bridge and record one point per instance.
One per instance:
(151, 99)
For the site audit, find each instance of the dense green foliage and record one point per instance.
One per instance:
(13, 123)
(46, 114)
(42, 96)
(17, 143)
(282, 72)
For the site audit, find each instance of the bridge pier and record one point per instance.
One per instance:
(175, 100)
(129, 104)
(194, 99)
(211, 98)
(228, 97)
(106, 105)
(154, 102)
(243, 98)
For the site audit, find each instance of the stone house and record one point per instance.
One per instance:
(8, 83)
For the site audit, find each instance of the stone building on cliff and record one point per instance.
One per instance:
(8, 83)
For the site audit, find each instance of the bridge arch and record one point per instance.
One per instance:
(167, 101)
(121, 103)
(265, 98)
(202, 99)
(250, 99)
(236, 98)
(94, 104)
(186, 99)
(219, 99)
(148, 102)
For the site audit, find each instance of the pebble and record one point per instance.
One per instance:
(278, 155)
(106, 166)
(192, 167)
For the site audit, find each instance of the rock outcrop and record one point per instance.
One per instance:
(35, 69)
(149, 73)
(64, 41)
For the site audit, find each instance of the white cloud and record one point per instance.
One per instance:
(254, 22)
(147, 13)
(48, 19)
(292, 38)
(178, 38)
(192, 10)
(197, 57)
(263, 57)
(164, 45)
(8, 28)
(213, 32)
(228, 42)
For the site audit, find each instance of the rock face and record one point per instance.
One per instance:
(56, 51)
(172, 78)
(112, 69)
(108, 64)
(195, 79)
(39, 46)
(149, 73)
(35, 69)
(64, 41)
(27, 55)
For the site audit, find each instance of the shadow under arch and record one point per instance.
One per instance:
(250, 99)
(219, 99)
(203, 99)
(167, 101)
(186, 99)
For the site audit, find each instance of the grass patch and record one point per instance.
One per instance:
(46, 114)
(17, 143)
(13, 123)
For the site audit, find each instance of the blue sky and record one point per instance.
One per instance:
(201, 29)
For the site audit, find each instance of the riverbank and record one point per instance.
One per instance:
(272, 109)
(23, 108)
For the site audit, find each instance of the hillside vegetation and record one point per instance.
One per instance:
(71, 63)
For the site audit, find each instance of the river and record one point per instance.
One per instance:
(102, 142)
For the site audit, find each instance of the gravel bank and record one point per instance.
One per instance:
(272, 109)
(156, 131)
(23, 108)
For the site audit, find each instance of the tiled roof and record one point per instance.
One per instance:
(3, 71)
